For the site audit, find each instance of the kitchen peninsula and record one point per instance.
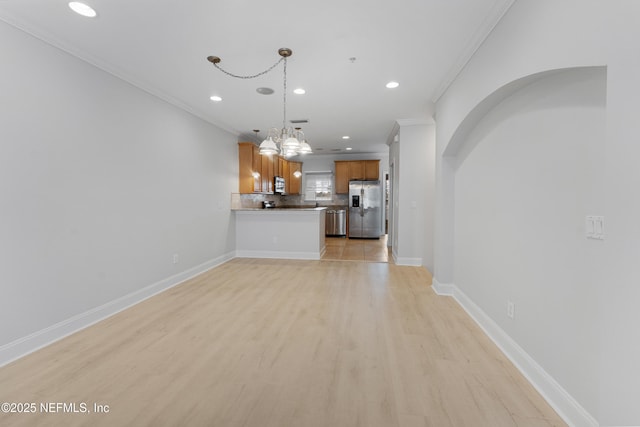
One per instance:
(274, 215)
(292, 233)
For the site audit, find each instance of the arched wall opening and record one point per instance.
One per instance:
(526, 168)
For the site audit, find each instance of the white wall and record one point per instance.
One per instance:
(413, 192)
(619, 292)
(394, 176)
(535, 37)
(101, 183)
(521, 196)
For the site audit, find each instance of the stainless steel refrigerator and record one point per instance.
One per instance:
(365, 209)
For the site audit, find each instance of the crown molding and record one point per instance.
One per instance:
(496, 14)
(414, 122)
(119, 74)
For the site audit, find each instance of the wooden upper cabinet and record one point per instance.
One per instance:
(356, 170)
(252, 164)
(349, 170)
(342, 177)
(372, 169)
(249, 163)
(286, 175)
(257, 167)
(278, 164)
(295, 184)
(267, 174)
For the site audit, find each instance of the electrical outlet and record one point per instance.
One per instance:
(511, 310)
(175, 258)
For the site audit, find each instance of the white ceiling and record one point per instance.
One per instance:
(162, 46)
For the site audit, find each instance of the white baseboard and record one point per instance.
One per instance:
(279, 254)
(559, 399)
(37, 340)
(443, 289)
(413, 262)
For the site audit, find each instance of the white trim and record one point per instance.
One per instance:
(42, 338)
(415, 122)
(486, 28)
(443, 289)
(559, 399)
(280, 254)
(393, 135)
(413, 262)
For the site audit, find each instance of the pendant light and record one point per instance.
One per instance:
(286, 140)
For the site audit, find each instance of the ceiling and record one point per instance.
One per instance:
(344, 52)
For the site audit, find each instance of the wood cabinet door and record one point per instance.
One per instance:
(287, 175)
(280, 166)
(295, 185)
(356, 170)
(245, 168)
(267, 174)
(342, 177)
(372, 169)
(249, 164)
(257, 168)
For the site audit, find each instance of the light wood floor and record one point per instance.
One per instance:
(282, 343)
(345, 249)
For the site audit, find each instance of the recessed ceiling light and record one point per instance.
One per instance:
(348, 148)
(299, 91)
(215, 98)
(82, 9)
(346, 137)
(393, 85)
(264, 90)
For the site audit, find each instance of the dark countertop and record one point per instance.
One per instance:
(283, 208)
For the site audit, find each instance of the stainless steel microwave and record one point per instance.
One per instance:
(278, 184)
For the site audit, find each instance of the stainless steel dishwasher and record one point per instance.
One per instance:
(336, 222)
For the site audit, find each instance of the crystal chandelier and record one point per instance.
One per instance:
(286, 140)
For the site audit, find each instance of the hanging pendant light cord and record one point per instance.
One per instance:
(284, 115)
(253, 76)
(285, 133)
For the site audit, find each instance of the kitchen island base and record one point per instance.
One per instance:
(280, 233)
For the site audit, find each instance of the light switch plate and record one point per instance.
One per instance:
(594, 227)
(589, 226)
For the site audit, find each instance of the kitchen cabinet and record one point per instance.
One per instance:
(267, 174)
(286, 175)
(256, 172)
(372, 170)
(342, 177)
(250, 166)
(349, 170)
(356, 170)
(295, 181)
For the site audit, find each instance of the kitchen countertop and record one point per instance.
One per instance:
(284, 208)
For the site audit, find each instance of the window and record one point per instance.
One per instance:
(318, 186)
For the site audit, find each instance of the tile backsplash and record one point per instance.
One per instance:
(244, 201)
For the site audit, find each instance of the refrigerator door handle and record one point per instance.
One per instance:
(362, 202)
